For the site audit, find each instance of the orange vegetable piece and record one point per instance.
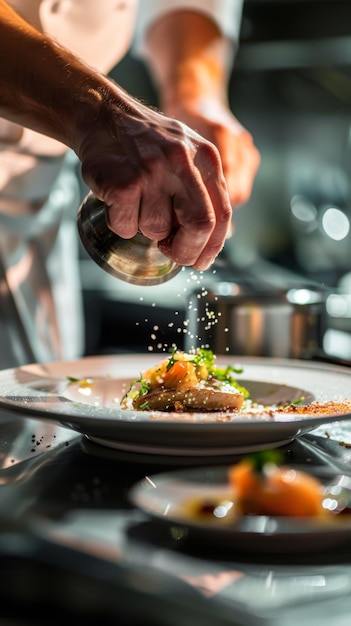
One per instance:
(278, 490)
(180, 376)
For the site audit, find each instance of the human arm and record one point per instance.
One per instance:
(190, 58)
(154, 174)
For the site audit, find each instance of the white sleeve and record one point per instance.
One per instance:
(225, 13)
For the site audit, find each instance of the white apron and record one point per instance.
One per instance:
(41, 312)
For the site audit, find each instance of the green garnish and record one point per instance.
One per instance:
(144, 385)
(297, 401)
(134, 393)
(171, 360)
(144, 407)
(204, 357)
(224, 374)
(263, 458)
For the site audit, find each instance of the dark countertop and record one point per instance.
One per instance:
(72, 544)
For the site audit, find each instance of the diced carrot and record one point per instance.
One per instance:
(282, 491)
(243, 479)
(180, 376)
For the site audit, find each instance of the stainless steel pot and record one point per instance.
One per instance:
(229, 320)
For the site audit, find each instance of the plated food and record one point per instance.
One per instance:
(287, 399)
(260, 484)
(257, 505)
(192, 382)
(187, 381)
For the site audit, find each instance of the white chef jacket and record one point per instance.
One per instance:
(39, 191)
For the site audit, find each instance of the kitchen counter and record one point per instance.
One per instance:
(72, 544)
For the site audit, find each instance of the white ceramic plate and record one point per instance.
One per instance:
(44, 392)
(166, 497)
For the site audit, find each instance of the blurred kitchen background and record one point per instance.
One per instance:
(291, 87)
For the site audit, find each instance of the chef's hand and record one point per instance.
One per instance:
(188, 54)
(239, 155)
(158, 176)
(154, 173)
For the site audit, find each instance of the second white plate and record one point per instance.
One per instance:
(167, 497)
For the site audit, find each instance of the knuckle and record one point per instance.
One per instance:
(203, 227)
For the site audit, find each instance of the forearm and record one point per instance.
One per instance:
(153, 173)
(43, 86)
(196, 57)
(190, 55)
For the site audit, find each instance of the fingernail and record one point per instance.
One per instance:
(203, 266)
